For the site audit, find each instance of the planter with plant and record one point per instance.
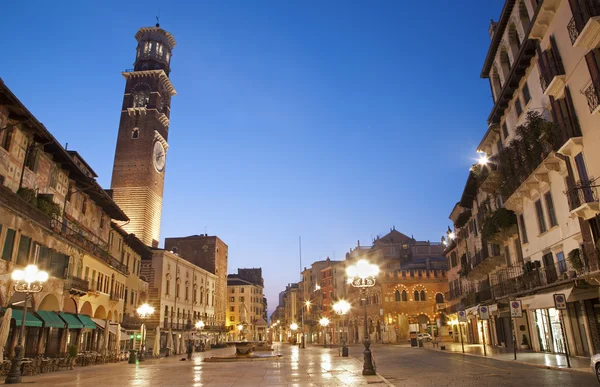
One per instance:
(575, 259)
(501, 225)
(524, 342)
(73, 350)
(48, 207)
(28, 195)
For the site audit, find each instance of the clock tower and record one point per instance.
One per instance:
(139, 168)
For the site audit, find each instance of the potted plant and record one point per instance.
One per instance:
(575, 259)
(73, 351)
(524, 342)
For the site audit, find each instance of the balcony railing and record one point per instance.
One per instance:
(586, 10)
(114, 297)
(76, 285)
(13, 201)
(591, 94)
(80, 238)
(583, 192)
(453, 294)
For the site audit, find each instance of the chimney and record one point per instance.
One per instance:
(492, 29)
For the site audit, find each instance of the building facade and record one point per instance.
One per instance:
(526, 226)
(245, 305)
(182, 294)
(211, 254)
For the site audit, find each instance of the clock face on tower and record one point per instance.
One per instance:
(158, 156)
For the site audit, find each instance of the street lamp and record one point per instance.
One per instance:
(362, 275)
(240, 330)
(324, 322)
(27, 281)
(342, 307)
(144, 311)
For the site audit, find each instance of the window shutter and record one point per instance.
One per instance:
(591, 59)
(542, 64)
(577, 14)
(556, 56)
(575, 131)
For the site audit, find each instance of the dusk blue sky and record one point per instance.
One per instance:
(330, 120)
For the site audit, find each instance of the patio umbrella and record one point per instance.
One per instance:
(176, 349)
(106, 336)
(118, 340)
(4, 328)
(182, 344)
(156, 348)
(170, 345)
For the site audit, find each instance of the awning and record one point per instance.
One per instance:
(50, 319)
(71, 320)
(545, 300)
(30, 319)
(87, 321)
(580, 294)
(102, 323)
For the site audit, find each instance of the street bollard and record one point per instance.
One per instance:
(132, 356)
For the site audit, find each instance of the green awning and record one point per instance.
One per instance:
(51, 319)
(30, 319)
(71, 320)
(87, 321)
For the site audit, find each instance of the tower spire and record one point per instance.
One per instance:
(157, 22)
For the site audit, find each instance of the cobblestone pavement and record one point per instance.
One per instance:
(405, 366)
(313, 366)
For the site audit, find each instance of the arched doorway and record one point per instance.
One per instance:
(49, 303)
(86, 309)
(100, 312)
(70, 306)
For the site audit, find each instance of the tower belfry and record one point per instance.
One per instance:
(140, 156)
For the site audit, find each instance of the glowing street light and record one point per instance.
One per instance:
(294, 326)
(144, 311)
(363, 276)
(27, 281)
(200, 324)
(342, 307)
(324, 322)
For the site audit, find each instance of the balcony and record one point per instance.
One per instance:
(453, 294)
(545, 15)
(584, 27)
(76, 286)
(583, 199)
(591, 93)
(74, 234)
(477, 293)
(490, 179)
(114, 297)
(552, 73)
(485, 261)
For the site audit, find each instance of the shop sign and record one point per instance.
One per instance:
(462, 316)
(484, 312)
(560, 301)
(516, 309)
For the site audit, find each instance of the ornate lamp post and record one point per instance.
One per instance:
(144, 311)
(294, 328)
(27, 281)
(342, 307)
(362, 275)
(324, 322)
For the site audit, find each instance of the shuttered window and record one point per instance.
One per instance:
(9, 242)
(550, 209)
(539, 211)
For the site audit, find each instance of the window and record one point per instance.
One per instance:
(119, 242)
(231, 318)
(177, 291)
(439, 298)
(232, 290)
(397, 294)
(141, 98)
(135, 133)
(550, 209)
(84, 205)
(241, 299)
(416, 295)
(9, 242)
(562, 264)
(168, 285)
(540, 216)
(232, 308)
(505, 130)
(23, 252)
(526, 95)
(523, 229)
(474, 227)
(53, 181)
(423, 297)
(518, 107)
(232, 299)
(7, 137)
(159, 50)
(242, 290)
(404, 295)
(33, 156)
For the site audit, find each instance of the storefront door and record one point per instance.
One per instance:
(543, 330)
(558, 341)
